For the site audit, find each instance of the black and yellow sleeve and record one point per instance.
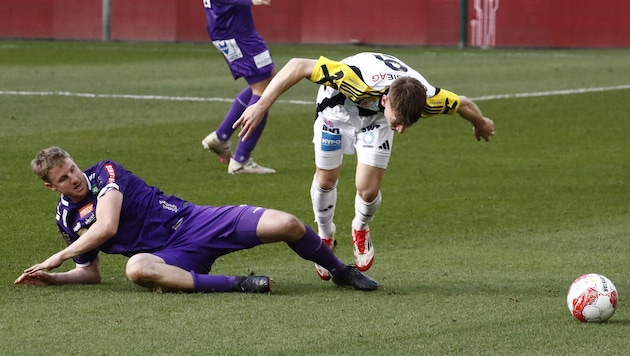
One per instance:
(443, 102)
(344, 78)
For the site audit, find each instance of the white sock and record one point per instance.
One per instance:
(364, 212)
(324, 202)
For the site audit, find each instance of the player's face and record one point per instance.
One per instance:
(68, 180)
(390, 116)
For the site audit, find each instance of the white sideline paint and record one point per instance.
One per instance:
(552, 92)
(295, 102)
(133, 96)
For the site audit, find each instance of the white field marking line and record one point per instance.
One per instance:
(552, 92)
(295, 102)
(133, 96)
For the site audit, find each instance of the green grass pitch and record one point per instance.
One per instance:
(476, 243)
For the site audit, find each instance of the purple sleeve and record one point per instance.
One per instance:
(84, 259)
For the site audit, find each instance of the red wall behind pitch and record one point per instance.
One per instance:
(158, 20)
(533, 23)
(564, 23)
(398, 22)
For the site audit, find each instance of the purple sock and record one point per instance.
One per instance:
(244, 149)
(212, 282)
(225, 130)
(310, 247)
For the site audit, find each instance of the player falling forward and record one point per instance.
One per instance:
(362, 101)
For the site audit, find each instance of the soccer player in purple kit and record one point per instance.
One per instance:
(231, 28)
(171, 243)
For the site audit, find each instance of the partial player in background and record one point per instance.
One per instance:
(171, 243)
(362, 100)
(231, 28)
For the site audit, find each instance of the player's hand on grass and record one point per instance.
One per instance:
(35, 274)
(51, 262)
(484, 129)
(38, 278)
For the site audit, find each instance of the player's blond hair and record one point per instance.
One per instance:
(48, 158)
(407, 97)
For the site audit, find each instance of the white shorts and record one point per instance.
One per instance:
(370, 137)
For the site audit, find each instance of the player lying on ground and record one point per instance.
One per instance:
(362, 100)
(171, 243)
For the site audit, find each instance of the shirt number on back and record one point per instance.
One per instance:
(392, 63)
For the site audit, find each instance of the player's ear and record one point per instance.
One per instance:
(384, 100)
(50, 186)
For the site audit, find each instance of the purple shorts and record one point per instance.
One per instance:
(255, 63)
(210, 232)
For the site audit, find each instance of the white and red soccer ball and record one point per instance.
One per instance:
(592, 298)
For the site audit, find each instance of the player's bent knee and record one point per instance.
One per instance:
(327, 184)
(291, 225)
(368, 195)
(295, 227)
(280, 226)
(326, 180)
(140, 269)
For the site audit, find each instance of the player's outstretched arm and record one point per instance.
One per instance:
(79, 275)
(483, 127)
(294, 71)
(106, 225)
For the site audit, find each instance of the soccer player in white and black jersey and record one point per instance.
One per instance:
(362, 101)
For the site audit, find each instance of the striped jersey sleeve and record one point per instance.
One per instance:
(344, 78)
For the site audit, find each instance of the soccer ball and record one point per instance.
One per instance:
(592, 297)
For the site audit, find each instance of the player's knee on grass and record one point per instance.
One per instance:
(140, 270)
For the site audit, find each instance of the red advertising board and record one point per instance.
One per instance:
(489, 23)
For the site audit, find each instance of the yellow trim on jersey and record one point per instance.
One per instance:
(444, 102)
(341, 77)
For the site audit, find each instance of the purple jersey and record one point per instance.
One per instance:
(227, 19)
(231, 28)
(148, 217)
(186, 235)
